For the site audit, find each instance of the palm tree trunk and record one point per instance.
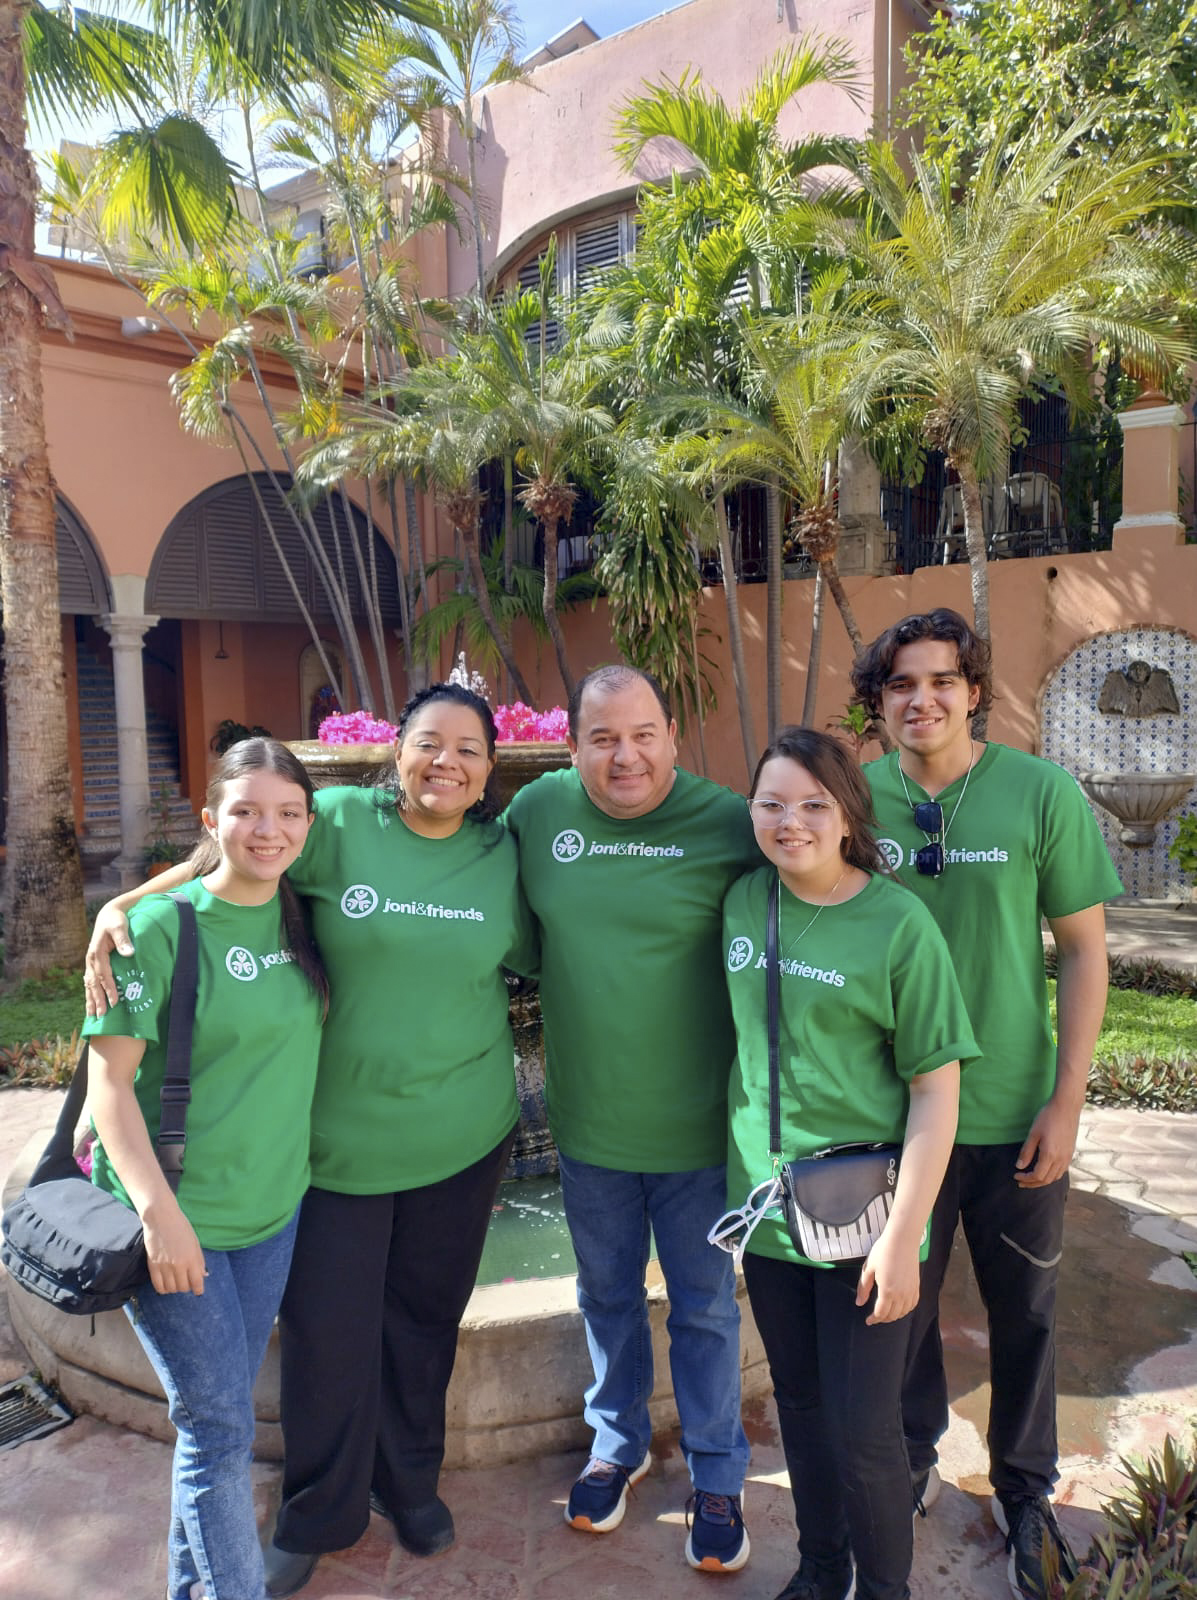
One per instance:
(773, 609)
(549, 605)
(699, 709)
(469, 541)
(43, 891)
(735, 637)
(831, 572)
(815, 653)
(978, 563)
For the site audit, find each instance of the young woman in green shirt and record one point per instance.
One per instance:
(219, 1251)
(871, 1031)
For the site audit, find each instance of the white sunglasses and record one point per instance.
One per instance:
(734, 1228)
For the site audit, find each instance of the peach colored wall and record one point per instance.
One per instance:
(117, 448)
(546, 149)
(1041, 609)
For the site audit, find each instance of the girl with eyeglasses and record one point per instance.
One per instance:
(871, 1031)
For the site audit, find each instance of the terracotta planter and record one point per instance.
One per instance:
(327, 764)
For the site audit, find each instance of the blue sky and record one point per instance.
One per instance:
(541, 20)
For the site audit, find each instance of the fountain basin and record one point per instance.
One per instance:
(1139, 800)
(522, 1365)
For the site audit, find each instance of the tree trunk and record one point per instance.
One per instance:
(814, 654)
(735, 638)
(469, 540)
(978, 564)
(43, 890)
(773, 644)
(549, 605)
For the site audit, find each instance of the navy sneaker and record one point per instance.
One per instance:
(1030, 1525)
(718, 1539)
(599, 1497)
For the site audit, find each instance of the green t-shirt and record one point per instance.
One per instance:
(638, 1033)
(254, 1048)
(417, 1075)
(868, 999)
(1023, 845)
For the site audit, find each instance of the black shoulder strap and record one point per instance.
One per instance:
(58, 1158)
(176, 1078)
(773, 1006)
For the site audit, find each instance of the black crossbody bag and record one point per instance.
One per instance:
(76, 1246)
(837, 1201)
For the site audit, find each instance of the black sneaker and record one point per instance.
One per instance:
(1030, 1526)
(925, 1489)
(813, 1583)
(287, 1571)
(425, 1530)
(718, 1539)
(599, 1497)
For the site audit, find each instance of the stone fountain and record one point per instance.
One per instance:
(1139, 800)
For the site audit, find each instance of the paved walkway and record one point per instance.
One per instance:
(83, 1512)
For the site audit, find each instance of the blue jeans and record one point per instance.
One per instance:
(206, 1350)
(610, 1215)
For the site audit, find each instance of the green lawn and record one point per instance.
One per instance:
(42, 1008)
(1155, 1027)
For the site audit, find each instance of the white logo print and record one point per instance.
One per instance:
(358, 900)
(568, 845)
(241, 964)
(739, 954)
(134, 990)
(893, 853)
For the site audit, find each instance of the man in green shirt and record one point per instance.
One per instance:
(992, 840)
(625, 860)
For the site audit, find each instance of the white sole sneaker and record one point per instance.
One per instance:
(930, 1493)
(611, 1521)
(715, 1563)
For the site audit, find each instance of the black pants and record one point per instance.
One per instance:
(1015, 1237)
(368, 1337)
(837, 1383)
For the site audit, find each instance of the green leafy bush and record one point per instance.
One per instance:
(1148, 1550)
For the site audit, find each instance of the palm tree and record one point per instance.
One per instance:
(749, 179)
(467, 47)
(973, 289)
(671, 333)
(546, 407)
(79, 61)
(797, 375)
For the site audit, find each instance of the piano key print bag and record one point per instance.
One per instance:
(836, 1202)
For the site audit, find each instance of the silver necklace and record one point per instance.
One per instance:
(813, 920)
(943, 836)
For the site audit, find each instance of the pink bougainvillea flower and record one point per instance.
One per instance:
(356, 727)
(520, 722)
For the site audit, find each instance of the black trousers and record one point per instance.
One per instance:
(1015, 1237)
(368, 1337)
(838, 1383)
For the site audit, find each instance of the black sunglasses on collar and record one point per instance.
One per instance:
(929, 862)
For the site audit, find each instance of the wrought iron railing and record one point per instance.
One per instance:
(1062, 491)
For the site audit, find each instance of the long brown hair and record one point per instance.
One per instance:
(829, 763)
(239, 761)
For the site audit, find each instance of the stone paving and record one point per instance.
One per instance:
(83, 1512)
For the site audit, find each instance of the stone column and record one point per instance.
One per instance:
(1150, 477)
(132, 756)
